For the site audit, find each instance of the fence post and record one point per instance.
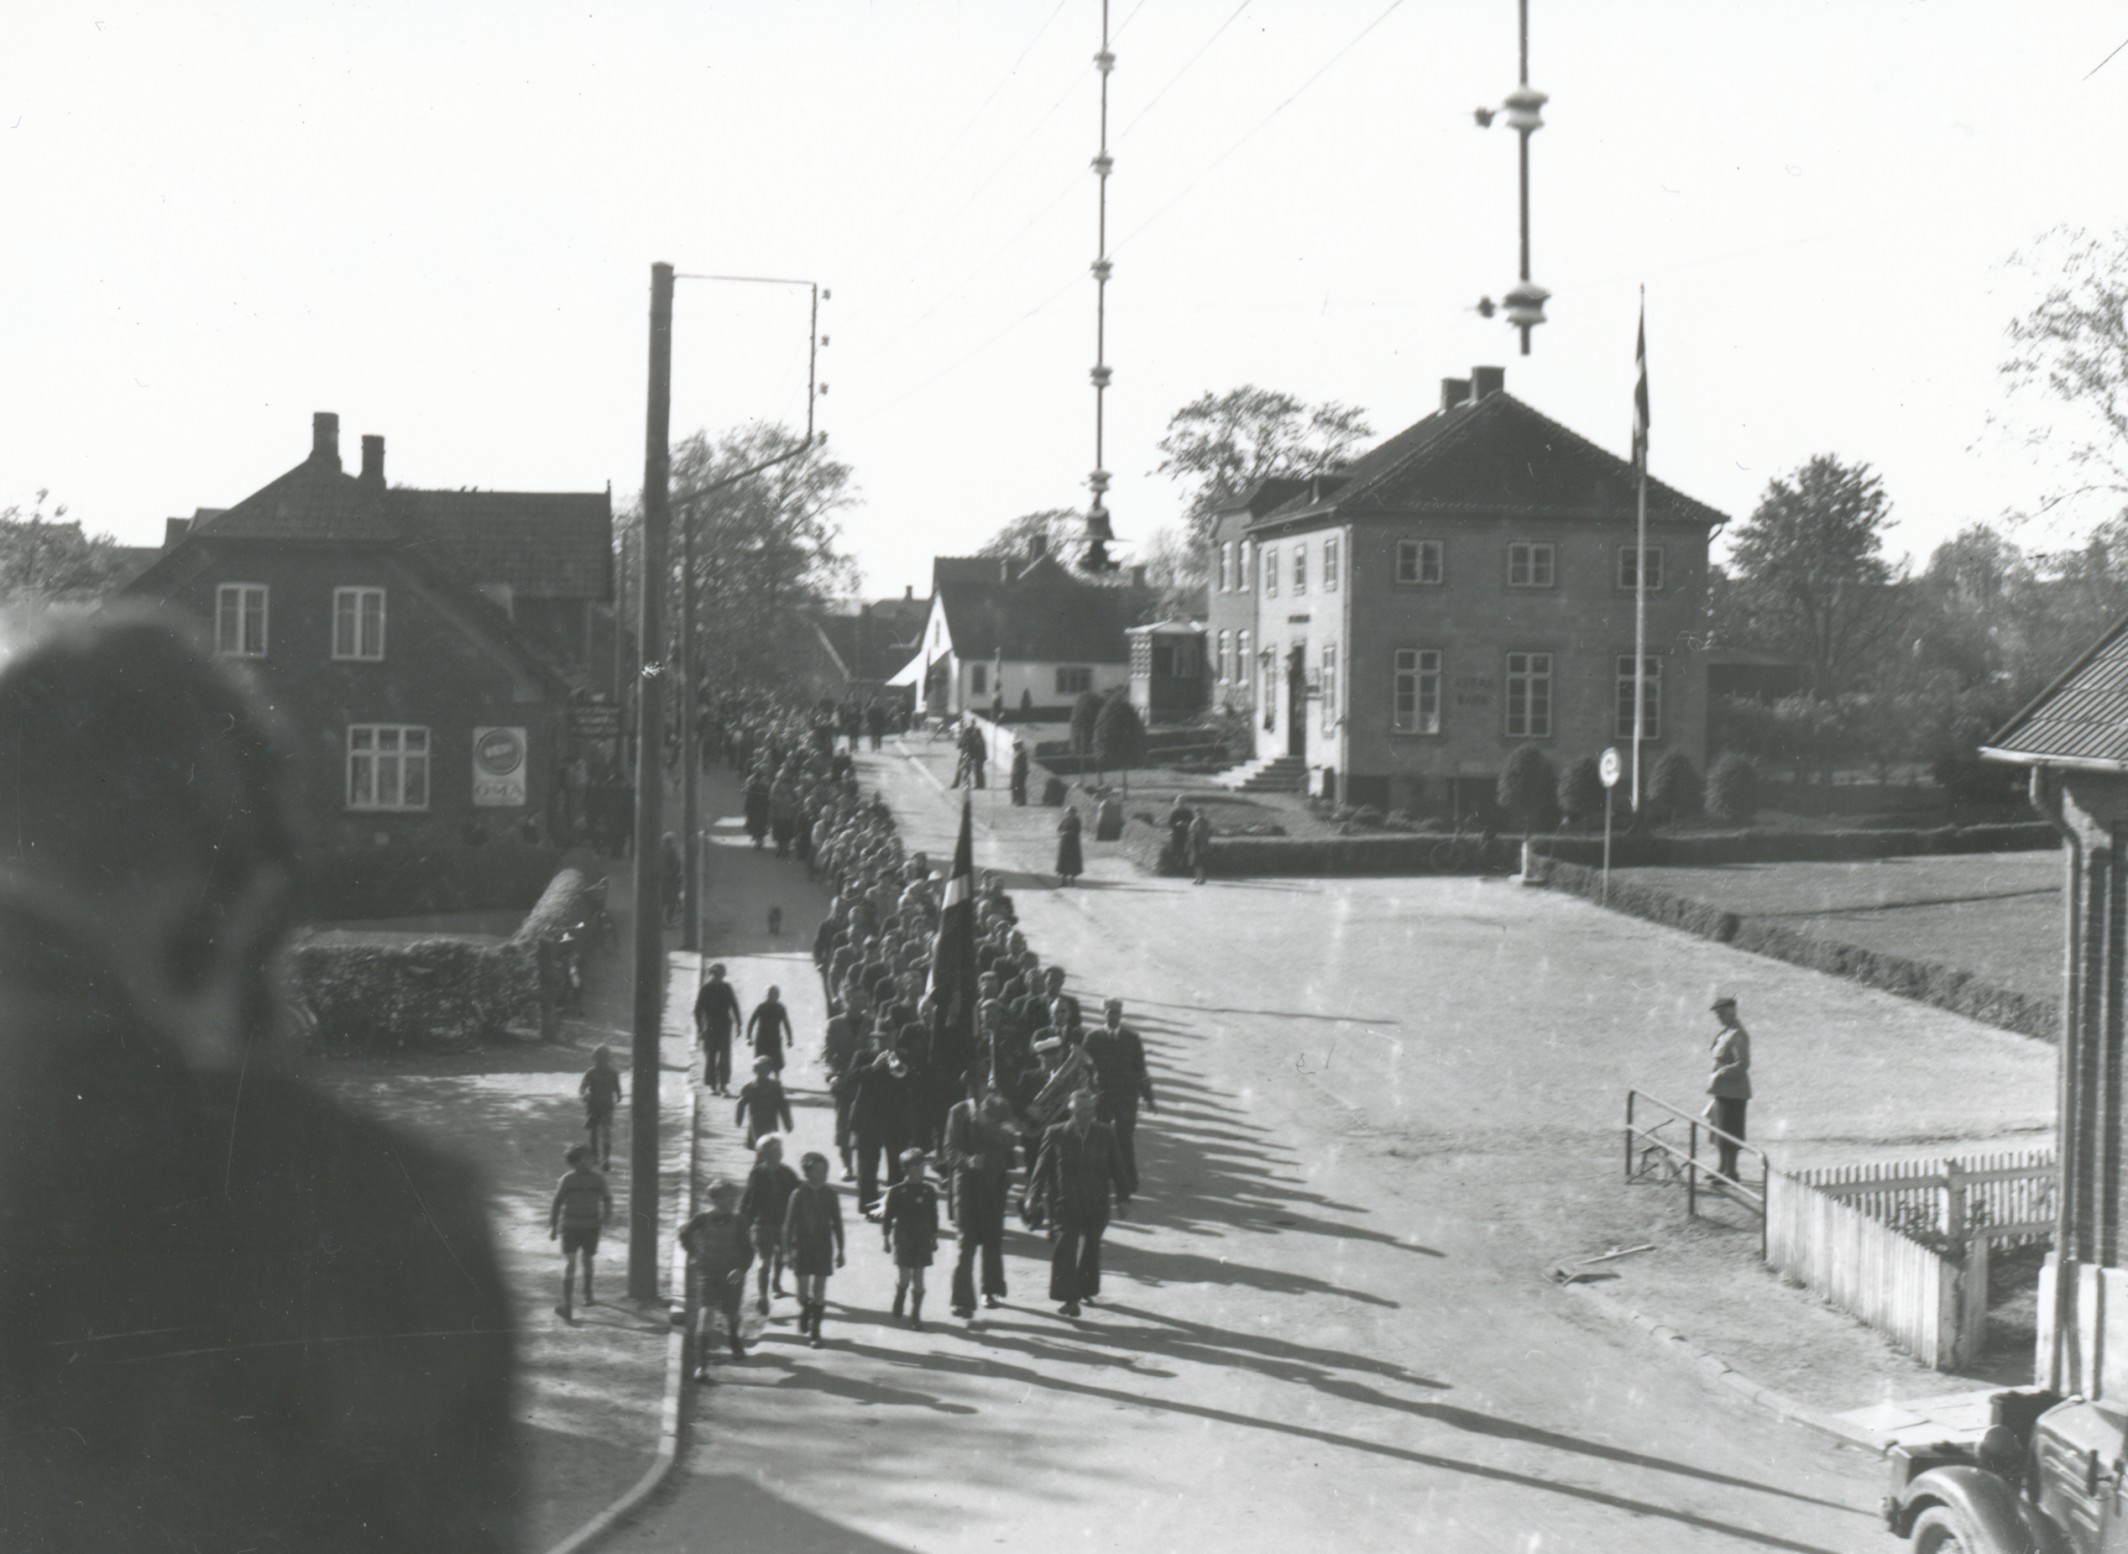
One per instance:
(1953, 1202)
(1692, 1172)
(1629, 1136)
(1973, 1308)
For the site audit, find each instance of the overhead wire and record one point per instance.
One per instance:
(1154, 100)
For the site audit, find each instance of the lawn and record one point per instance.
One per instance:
(1997, 915)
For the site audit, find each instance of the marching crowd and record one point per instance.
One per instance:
(1039, 1113)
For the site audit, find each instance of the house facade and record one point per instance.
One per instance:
(425, 646)
(1464, 588)
(1231, 634)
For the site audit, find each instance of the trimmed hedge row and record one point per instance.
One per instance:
(1644, 850)
(365, 882)
(1385, 853)
(1924, 981)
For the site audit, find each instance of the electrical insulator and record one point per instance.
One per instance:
(1525, 305)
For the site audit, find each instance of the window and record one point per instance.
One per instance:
(1415, 700)
(1329, 687)
(1300, 568)
(1652, 670)
(1221, 664)
(1242, 580)
(1529, 566)
(978, 679)
(1627, 555)
(1330, 565)
(1241, 659)
(387, 766)
(1418, 563)
(1072, 681)
(1226, 568)
(1529, 695)
(240, 620)
(358, 623)
(1270, 571)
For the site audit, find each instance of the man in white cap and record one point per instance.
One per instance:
(1730, 1083)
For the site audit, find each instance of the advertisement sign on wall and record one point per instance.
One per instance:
(500, 756)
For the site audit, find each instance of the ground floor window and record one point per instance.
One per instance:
(1651, 672)
(1329, 688)
(1529, 695)
(1073, 681)
(978, 679)
(387, 766)
(1415, 696)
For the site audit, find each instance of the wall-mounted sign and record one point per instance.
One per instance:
(595, 720)
(500, 756)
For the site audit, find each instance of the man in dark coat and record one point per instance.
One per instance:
(882, 1121)
(716, 1022)
(978, 1154)
(1019, 772)
(1120, 1074)
(1076, 1175)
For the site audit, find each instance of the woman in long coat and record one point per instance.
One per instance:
(1071, 862)
(757, 807)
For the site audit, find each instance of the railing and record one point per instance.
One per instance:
(1668, 1151)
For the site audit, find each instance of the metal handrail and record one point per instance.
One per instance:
(1639, 1138)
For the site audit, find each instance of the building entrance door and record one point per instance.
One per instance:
(1297, 702)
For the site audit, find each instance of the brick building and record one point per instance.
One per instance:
(425, 645)
(1467, 586)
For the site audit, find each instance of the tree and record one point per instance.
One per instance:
(1085, 714)
(1527, 788)
(2073, 347)
(1057, 527)
(767, 549)
(1581, 790)
(1119, 737)
(1732, 787)
(1812, 583)
(47, 556)
(1219, 445)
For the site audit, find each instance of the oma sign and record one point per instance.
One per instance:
(500, 756)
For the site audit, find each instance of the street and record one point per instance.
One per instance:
(1326, 1322)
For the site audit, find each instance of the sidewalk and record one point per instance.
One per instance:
(589, 1395)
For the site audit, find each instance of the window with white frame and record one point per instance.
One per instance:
(1415, 691)
(358, 623)
(1628, 568)
(1330, 565)
(1243, 583)
(1241, 660)
(240, 620)
(1419, 563)
(1652, 671)
(1300, 568)
(978, 679)
(1270, 571)
(1220, 665)
(1329, 687)
(1530, 566)
(387, 766)
(1529, 695)
(1073, 680)
(1226, 567)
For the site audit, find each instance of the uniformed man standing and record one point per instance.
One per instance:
(1730, 1083)
(1122, 1082)
(1077, 1174)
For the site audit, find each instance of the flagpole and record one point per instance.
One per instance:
(1640, 550)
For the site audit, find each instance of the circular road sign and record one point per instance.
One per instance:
(1609, 767)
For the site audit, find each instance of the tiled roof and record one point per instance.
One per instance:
(544, 544)
(1043, 615)
(871, 644)
(2079, 720)
(1495, 456)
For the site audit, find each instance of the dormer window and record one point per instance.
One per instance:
(358, 624)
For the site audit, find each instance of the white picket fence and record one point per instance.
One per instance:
(1865, 1238)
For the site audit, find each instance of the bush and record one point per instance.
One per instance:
(1399, 820)
(1367, 815)
(376, 997)
(1085, 714)
(1732, 787)
(1581, 791)
(362, 882)
(1528, 787)
(1119, 735)
(1675, 787)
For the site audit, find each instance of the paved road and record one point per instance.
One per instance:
(1328, 1324)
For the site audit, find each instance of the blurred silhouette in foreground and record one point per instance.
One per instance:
(233, 1315)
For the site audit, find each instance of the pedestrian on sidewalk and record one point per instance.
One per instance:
(1019, 773)
(812, 1239)
(716, 1022)
(978, 1152)
(908, 1222)
(783, 815)
(1729, 1086)
(769, 1028)
(757, 802)
(582, 1205)
(1118, 1056)
(763, 1107)
(1077, 1174)
(839, 1049)
(601, 1090)
(718, 1255)
(1200, 844)
(1071, 858)
(768, 1192)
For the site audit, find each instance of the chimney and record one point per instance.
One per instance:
(1004, 569)
(1138, 576)
(1486, 382)
(174, 530)
(908, 593)
(1454, 391)
(373, 459)
(325, 438)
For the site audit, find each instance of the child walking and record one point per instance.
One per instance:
(909, 1223)
(717, 1258)
(582, 1204)
(768, 1190)
(762, 1104)
(601, 1090)
(812, 1234)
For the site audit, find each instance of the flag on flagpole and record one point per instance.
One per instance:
(953, 973)
(1640, 391)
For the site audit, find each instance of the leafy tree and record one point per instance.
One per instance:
(1675, 786)
(1085, 714)
(2073, 348)
(1732, 787)
(1581, 790)
(1119, 737)
(1812, 582)
(1527, 787)
(47, 556)
(1220, 444)
(1057, 527)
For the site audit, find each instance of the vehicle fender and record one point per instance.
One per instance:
(2002, 1520)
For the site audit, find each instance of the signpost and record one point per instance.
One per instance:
(1610, 768)
(499, 760)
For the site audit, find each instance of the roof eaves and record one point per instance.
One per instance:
(1998, 747)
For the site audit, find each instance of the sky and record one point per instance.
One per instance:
(438, 220)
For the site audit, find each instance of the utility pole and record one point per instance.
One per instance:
(690, 741)
(649, 804)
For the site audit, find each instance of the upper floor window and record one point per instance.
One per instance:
(1330, 565)
(1226, 567)
(387, 766)
(1628, 568)
(1242, 580)
(1529, 695)
(1073, 680)
(1270, 571)
(1415, 694)
(240, 620)
(1419, 562)
(358, 623)
(1651, 697)
(1530, 566)
(1300, 568)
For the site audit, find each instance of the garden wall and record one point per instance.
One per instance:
(1657, 850)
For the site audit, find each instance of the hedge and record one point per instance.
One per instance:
(1645, 850)
(1928, 982)
(362, 882)
(1384, 853)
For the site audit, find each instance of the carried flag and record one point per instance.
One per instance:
(1640, 391)
(953, 972)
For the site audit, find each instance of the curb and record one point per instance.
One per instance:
(671, 1423)
(1779, 1404)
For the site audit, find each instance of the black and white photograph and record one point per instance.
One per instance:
(920, 776)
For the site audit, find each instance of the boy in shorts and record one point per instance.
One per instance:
(909, 1222)
(717, 1259)
(768, 1193)
(582, 1204)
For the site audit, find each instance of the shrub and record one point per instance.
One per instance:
(1528, 787)
(1675, 787)
(1119, 736)
(1367, 815)
(1581, 791)
(1399, 820)
(1732, 787)
(380, 996)
(1085, 713)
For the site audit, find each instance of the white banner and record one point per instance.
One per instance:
(500, 756)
